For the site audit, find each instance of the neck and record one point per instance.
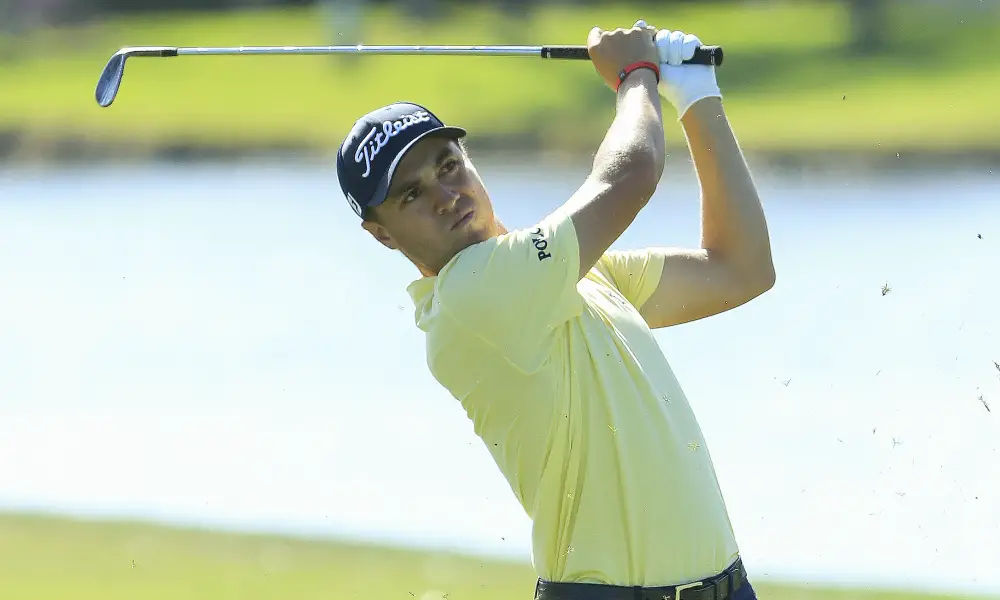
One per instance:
(498, 229)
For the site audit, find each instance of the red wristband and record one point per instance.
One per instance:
(642, 64)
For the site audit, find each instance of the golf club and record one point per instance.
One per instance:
(111, 77)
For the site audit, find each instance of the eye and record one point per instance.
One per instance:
(410, 195)
(449, 165)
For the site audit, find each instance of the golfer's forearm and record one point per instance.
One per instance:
(632, 152)
(733, 223)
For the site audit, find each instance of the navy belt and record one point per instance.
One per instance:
(717, 587)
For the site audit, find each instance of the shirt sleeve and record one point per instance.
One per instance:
(635, 273)
(513, 290)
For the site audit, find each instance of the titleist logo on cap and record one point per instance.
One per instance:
(376, 140)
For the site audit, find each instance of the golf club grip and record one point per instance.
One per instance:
(703, 55)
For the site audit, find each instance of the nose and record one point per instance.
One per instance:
(447, 198)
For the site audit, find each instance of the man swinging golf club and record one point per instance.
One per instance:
(544, 334)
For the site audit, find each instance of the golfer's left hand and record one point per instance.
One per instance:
(682, 84)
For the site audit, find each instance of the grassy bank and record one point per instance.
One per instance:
(789, 83)
(55, 559)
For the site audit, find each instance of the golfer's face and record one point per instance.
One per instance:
(437, 204)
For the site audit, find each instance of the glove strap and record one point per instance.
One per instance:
(642, 64)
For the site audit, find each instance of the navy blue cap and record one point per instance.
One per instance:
(368, 156)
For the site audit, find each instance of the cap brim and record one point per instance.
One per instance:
(382, 189)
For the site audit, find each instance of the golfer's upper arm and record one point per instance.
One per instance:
(677, 285)
(603, 208)
(635, 273)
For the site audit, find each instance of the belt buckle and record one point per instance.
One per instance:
(678, 589)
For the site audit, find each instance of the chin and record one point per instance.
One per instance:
(470, 236)
(481, 231)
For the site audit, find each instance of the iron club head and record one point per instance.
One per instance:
(111, 78)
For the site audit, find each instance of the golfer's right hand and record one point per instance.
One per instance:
(611, 51)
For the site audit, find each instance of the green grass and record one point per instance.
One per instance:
(796, 92)
(46, 558)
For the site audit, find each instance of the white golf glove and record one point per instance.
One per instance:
(680, 84)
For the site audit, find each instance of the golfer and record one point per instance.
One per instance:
(544, 334)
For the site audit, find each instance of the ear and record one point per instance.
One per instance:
(380, 233)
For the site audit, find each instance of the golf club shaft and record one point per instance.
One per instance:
(707, 55)
(114, 70)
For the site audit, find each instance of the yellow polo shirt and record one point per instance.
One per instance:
(568, 389)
